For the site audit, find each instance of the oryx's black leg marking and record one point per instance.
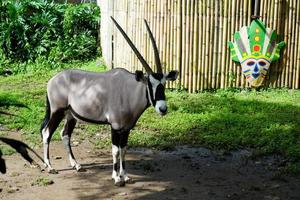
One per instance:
(115, 137)
(66, 137)
(119, 143)
(47, 132)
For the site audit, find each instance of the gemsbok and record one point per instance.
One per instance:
(116, 97)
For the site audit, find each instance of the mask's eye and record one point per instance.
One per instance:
(262, 63)
(250, 63)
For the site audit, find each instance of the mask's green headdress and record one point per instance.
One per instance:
(255, 48)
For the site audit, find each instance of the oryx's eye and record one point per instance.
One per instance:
(262, 63)
(250, 63)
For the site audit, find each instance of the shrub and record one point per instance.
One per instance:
(35, 30)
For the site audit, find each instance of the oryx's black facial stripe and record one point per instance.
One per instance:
(151, 93)
(160, 93)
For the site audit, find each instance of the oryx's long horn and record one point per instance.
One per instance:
(137, 53)
(156, 54)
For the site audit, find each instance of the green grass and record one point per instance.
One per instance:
(267, 120)
(42, 181)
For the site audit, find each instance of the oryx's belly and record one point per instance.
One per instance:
(88, 105)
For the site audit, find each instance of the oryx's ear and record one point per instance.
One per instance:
(172, 75)
(139, 75)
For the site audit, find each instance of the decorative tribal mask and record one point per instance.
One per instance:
(255, 48)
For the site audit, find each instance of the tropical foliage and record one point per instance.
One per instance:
(35, 31)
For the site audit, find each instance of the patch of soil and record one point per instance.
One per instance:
(186, 173)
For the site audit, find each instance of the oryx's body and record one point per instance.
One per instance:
(116, 97)
(109, 97)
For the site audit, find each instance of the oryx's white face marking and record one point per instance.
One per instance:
(157, 92)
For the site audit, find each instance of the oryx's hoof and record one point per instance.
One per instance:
(120, 183)
(79, 168)
(129, 180)
(52, 171)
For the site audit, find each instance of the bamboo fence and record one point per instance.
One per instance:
(192, 37)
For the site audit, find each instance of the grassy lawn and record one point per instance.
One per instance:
(267, 120)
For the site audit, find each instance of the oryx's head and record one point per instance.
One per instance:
(155, 80)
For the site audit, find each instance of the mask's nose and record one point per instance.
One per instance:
(256, 69)
(255, 73)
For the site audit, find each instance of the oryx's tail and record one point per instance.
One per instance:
(47, 115)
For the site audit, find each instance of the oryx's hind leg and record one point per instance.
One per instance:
(66, 134)
(47, 132)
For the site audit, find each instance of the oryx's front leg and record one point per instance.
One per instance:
(66, 134)
(119, 143)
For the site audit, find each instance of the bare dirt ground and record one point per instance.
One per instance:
(186, 173)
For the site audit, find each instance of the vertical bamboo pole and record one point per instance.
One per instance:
(276, 28)
(284, 25)
(238, 27)
(269, 12)
(156, 26)
(233, 18)
(138, 42)
(191, 31)
(248, 18)
(131, 5)
(146, 16)
(289, 33)
(215, 47)
(179, 39)
(210, 52)
(220, 43)
(249, 12)
(297, 86)
(194, 45)
(262, 9)
(126, 17)
(173, 39)
(165, 51)
(224, 45)
(200, 49)
(203, 49)
(227, 54)
(134, 33)
(142, 29)
(152, 26)
(279, 63)
(271, 15)
(183, 72)
(187, 57)
(235, 28)
(162, 31)
(265, 11)
(207, 64)
(293, 46)
(244, 23)
(170, 38)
